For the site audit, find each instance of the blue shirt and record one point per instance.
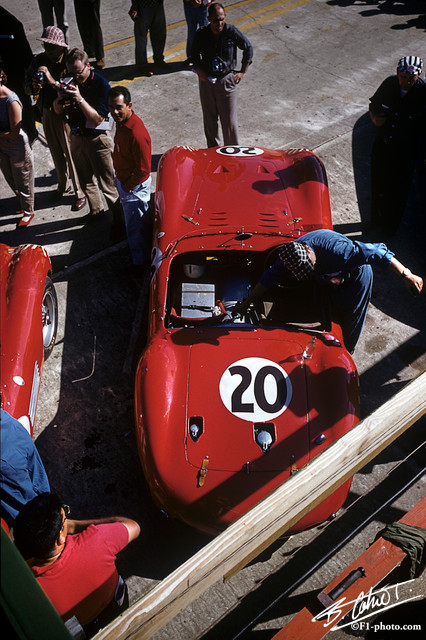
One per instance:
(22, 474)
(336, 257)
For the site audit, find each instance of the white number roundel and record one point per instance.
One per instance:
(255, 389)
(239, 151)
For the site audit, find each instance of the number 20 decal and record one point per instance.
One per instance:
(255, 389)
(239, 151)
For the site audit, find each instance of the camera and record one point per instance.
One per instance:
(66, 82)
(39, 77)
(217, 65)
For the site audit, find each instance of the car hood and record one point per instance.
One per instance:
(240, 386)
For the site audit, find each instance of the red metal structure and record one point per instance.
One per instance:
(28, 327)
(377, 562)
(226, 407)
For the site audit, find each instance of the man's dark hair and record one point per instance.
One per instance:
(37, 526)
(214, 7)
(119, 90)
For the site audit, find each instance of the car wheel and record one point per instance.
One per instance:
(49, 311)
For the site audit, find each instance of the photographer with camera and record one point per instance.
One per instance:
(42, 80)
(214, 56)
(84, 100)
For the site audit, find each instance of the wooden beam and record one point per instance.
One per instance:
(273, 516)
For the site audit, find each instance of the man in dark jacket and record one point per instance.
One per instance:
(398, 109)
(16, 55)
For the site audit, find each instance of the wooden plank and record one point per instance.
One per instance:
(273, 516)
(378, 561)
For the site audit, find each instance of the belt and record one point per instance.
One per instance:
(86, 133)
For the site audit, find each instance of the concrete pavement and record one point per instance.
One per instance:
(316, 64)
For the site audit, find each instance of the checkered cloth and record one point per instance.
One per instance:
(53, 35)
(411, 64)
(295, 258)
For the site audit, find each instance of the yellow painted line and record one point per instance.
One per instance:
(275, 14)
(175, 25)
(259, 12)
(255, 18)
(249, 22)
(119, 43)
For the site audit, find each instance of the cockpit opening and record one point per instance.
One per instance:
(205, 287)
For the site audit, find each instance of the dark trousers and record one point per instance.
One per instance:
(88, 17)
(349, 303)
(152, 19)
(392, 169)
(109, 614)
(47, 7)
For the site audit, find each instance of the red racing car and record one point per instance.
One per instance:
(29, 320)
(228, 407)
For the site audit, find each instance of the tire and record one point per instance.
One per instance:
(50, 317)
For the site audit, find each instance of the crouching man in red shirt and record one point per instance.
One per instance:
(74, 560)
(132, 163)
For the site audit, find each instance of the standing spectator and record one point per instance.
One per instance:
(148, 15)
(196, 16)
(47, 7)
(398, 109)
(91, 146)
(16, 54)
(22, 474)
(341, 267)
(42, 81)
(74, 560)
(214, 56)
(88, 14)
(16, 156)
(132, 162)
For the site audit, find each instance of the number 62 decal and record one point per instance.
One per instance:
(255, 389)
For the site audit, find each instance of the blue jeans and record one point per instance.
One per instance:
(196, 17)
(137, 219)
(350, 302)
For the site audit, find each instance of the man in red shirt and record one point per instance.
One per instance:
(74, 560)
(132, 163)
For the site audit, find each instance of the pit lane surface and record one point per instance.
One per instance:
(316, 64)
